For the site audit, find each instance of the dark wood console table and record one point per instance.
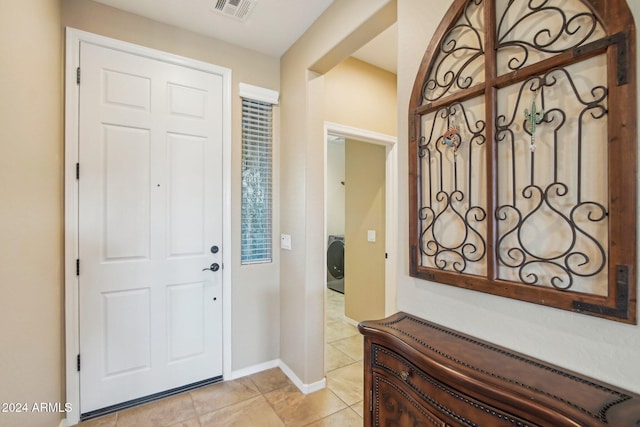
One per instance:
(418, 373)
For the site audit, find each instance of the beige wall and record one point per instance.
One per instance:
(360, 95)
(344, 27)
(31, 193)
(364, 268)
(600, 348)
(31, 159)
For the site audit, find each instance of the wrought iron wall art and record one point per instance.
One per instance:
(522, 40)
(452, 220)
(553, 203)
(461, 50)
(523, 154)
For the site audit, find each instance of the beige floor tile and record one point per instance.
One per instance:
(270, 380)
(335, 295)
(345, 418)
(106, 421)
(359, 408)
(253, 412)
(352, 346)
(335, 314)
(347, 383)
(223, 394)
(337, 330)
(240, 403)
(298, 409)
(194, 422)
(335, 299)
(336, 358)
(335, 306)
(164, 412)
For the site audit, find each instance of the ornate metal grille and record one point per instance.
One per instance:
(516, 149)
(553, 204)
(460, 56)
(452, 214)
(529, 31)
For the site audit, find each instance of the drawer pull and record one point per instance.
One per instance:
(404, 375)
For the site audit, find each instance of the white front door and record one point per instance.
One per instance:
(150, 220)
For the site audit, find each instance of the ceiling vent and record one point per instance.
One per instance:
(238, 9)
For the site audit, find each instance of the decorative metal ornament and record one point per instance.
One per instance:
(533, 118)
(452, 139)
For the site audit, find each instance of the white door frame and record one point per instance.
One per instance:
(72, 337)
(391, 201)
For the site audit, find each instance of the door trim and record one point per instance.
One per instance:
(72, 61)
(391, 202)
(391, 210)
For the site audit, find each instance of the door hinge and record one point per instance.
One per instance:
(386, 255)
(77, 267)
(78, 75)
(78, 362)
(77, 170)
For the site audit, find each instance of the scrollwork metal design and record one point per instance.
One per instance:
(558, 262)
(557, 30)
(461, 48)
(446, 206)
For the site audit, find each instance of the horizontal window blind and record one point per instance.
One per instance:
(256, 220)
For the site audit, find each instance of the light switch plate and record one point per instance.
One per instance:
(285, 241)
(371, 235)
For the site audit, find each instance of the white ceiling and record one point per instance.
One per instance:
(271, 28)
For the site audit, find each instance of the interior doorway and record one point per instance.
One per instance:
(355, 219)
(335, 134)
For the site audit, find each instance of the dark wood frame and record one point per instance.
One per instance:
(619, 45)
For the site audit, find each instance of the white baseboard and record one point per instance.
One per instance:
(277, 363)
(254, 369)
(304, 388)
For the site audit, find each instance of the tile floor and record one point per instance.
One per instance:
(267, 398)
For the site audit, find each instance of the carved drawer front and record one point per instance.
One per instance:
(395, 407)
(441, 400)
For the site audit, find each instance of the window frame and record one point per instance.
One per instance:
(263, 99)
(619, 45)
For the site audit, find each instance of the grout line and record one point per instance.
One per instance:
(274, 409)
(193, 405)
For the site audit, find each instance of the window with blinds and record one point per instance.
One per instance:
(256, 181)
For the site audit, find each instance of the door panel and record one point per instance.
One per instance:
(124, 90)
(186, 321)
(126, 186)
(127, 349)
(150, 206)
(186, 195)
